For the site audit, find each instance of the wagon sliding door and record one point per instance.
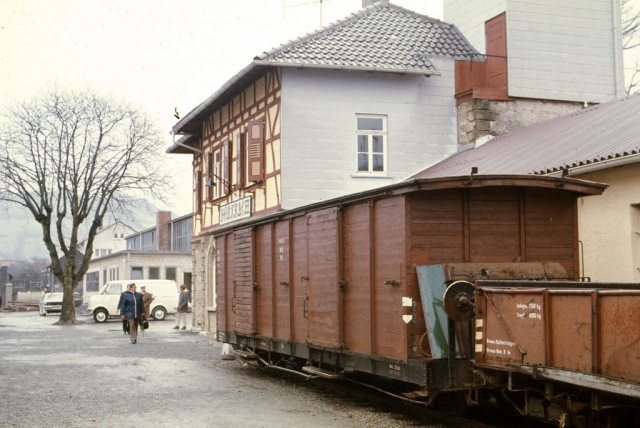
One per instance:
(243, 301)
(225, 278)
(323, 304)
(299, 257)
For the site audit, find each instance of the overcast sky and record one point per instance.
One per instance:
(158, 54)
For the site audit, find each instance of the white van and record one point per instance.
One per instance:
(165, 298)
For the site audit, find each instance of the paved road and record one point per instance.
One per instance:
(91, 375)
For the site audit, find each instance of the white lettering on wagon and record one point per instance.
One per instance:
(499, 346)
(530, 310)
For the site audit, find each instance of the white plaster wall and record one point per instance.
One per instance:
(569, 50)
(318, 128)
(564, 50)
(104, 239)
(470, 15)
(609, 225)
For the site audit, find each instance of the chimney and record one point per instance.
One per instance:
(163, 238)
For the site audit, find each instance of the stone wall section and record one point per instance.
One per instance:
(198, 284)
(479, 118)
(203, 285)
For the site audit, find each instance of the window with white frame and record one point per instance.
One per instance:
(93, 281)
(371, 137)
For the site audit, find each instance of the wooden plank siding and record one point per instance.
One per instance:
(357, 271)
(323, 289)
(552, 228)
(265, 296)
(300, 271)
(282, 281)
(334, 277)
(389, 259)
(243, 284)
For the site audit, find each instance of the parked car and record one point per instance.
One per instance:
(52, 303)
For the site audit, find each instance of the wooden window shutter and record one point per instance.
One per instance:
(256, 150)
(496, 40)
(198, 192)
(240, 161)
(226, 167)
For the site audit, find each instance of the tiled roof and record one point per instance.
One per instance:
(381, 36)
(586, 138)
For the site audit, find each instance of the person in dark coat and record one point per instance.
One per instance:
(147, 298)
(125, 323)
(132, 310)
(183, 307)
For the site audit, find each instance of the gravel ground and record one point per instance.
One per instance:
(91, 375)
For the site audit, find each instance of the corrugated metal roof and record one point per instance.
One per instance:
(381, 37)
(584, 138)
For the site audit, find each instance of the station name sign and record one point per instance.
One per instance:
(236, 210)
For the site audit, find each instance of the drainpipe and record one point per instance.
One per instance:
(617, 44)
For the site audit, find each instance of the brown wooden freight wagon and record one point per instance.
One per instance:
(334, 285)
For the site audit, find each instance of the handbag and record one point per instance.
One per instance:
(145, 323)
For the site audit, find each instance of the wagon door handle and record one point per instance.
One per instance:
(304, 307)
(233, 305)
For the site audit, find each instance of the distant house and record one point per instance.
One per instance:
(600, 143)
(159, 252)
(362, 103)
(109, 239)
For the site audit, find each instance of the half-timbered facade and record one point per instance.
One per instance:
(360, 104)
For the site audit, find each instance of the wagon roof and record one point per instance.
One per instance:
(577, 186)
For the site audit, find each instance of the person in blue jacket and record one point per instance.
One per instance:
(125, 323)
(132, 309)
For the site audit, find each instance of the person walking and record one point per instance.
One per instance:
(183, 307)
(132, 310)
(125, 323)
(147, 298)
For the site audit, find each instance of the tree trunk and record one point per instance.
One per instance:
(68, 313)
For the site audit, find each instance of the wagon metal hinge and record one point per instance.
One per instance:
(343, 284)
(254, 284)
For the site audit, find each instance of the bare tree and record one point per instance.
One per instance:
(631, 41)
(70, 158)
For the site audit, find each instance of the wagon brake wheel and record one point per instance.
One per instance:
(459, 301)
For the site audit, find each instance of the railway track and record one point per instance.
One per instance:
(372, 398)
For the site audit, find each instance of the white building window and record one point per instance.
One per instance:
(371, 139)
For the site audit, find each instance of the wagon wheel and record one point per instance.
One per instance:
(451, 403)
(611, 419)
